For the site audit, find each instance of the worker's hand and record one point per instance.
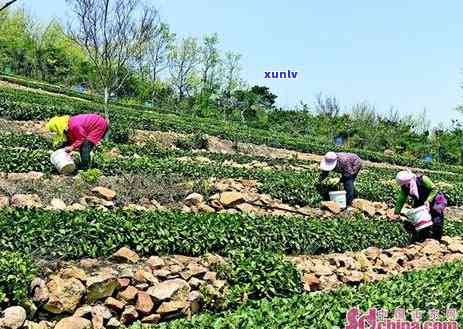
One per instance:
(428, 206)
(68, 149)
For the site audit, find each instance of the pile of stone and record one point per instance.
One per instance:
(102, 198)
(241, 195)
(112, 293)
(368, 208)
(327, 272)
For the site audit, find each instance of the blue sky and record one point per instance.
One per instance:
(402, 53)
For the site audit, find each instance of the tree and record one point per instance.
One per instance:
(232, 70)
(112, 33)
(327, 106)
(183, 60)
(5, 4)
(158, 49)
(210, 59)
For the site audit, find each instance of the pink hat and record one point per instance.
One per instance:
(329, 162)
(404, 177)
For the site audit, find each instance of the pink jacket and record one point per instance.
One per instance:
(82, 127)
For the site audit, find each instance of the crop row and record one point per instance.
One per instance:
(21, 105)
(92, 233)
(438, 288)
(293, 187)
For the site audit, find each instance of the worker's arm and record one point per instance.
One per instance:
(323, 176)
(400, 202)
(427, 182)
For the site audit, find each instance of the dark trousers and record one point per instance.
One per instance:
(348, 182)
(437, 225)
(85, 154)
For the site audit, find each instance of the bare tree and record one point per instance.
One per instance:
(327, 106)
(6, 4)
(210, 59)
(158, 49)
(183, 60)
(232, 70)
(113, 33)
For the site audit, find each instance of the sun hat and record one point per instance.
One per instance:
(407, 178)
(404, 177)
(329, 161)
(58, 125)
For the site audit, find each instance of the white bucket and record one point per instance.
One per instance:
(63, 162)
(339, 197)
(420, 217)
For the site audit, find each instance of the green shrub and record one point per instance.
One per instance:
(435, 288)
(256, 274)
(93, 233)
(196, 141)
(91, 176)
(17, 271)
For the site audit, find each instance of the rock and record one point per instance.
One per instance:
(171, 307)
(363, 261)
(365, 206)
(151, 319)
(142, 276)
(210, 276)
(74, 322)
(101, 286)
(323, 270)
(99, 314)
(212, 260)
(26, 201)
(355, 277)
(113, 323)
(195, 283)
(247, 208)
(129, 314)
(168, 289)
(343, 261)
(329, 282)
(74, 272)
(124, 282)
(431, 248)
(13, 317)
(331, 206)
(228, 199)
(76, 207)
(88, 263)
(104, 193)
(83, 311)
(91, 201)
(195, 299)
(194, 199)
(144, 303)
(155, 262)
(128, 294)
(64, 295)
(456, 248)
(372, 253)
(162, 273)
(204, 208)
(115, 304)
(125, 255)
(58, 204)
(4, 201)
(39, 290)
(311, 282)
